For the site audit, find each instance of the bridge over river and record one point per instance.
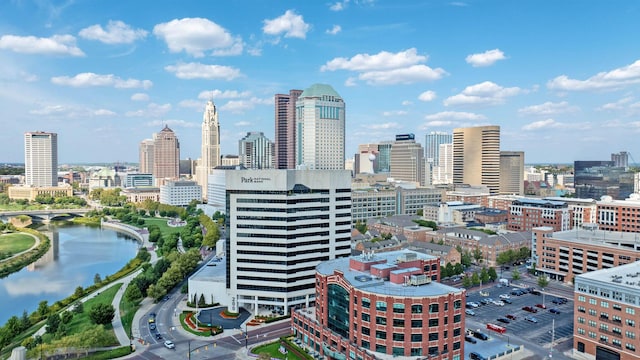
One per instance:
(44, 215)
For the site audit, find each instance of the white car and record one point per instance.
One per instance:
(169, 344)
(499, 303)
(505, 296)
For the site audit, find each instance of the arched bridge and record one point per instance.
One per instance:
(44, 215)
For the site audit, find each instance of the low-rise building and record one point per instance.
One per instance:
(606, 312)
(619, 215)
(527, 213)
(382, 305)
(31, 192)
(180, 192)
(140, 194)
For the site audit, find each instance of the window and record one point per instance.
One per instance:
(592, 323)
(581, 309)
(616, 307)
(366, 303)
(380, 320)
(433, 308)
(604, 304)
(630, 334)
(433, 322)
(416, 323)
(398, 308)
(456, 304)
(630, 347)
(398, 337)
(581, 298)
(593, 301)
(416, 309)
(381, 334)
(433, 336)
(631, 322)
(456, 332)
(581, 331)
(416, 337)
(398, 322)
(365, 317)
(365, 331)
(381, 306)
(381, 348)
(456, 345)
(457, 318)
(630, 311)
(581, 320)
(592, 312)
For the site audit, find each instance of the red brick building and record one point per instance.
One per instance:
(619, 215)
(388, 303)
(526, 214)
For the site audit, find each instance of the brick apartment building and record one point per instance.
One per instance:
(619, 215)
(526, 214)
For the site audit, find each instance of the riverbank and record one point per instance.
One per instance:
(19, 261)
(142, 235)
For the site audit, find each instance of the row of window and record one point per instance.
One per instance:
(415, 308)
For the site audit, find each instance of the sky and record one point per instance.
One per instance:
(561, 78)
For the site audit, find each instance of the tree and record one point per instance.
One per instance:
(66, 317)
(475, 279)
(515, 274)
(542, 281)
(102, 314)
(477, 254)
(465, 258)
(493, 275)
(79, 292)
(53, 322)
(25, 322)
(466, 282)
(524, 253)
(457, 269)
(43, 309)
(97, 279)
(484, 275)
(79, 307)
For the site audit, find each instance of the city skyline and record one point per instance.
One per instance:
(104, 78)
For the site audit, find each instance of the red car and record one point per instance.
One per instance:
(541, 306)
(509, 316)
(530, 309)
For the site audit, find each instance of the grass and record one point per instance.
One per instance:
(82, 321)
(273, 350)
(127, 312)
(15, 243)
(162, 224)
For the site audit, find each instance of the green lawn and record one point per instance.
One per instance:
(273, 350)
(15, 243)
(162, 224)
(81, 321)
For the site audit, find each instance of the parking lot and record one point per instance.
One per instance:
(533, 335)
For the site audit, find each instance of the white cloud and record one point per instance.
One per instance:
(195, 36)
(437, 123)
(50, 110)
(172, 123)
(456, 116)
(407, 103)
(428, 95)
(203, 71)
(338, 5)
(485, 93)
(616, 78)
(618, 105)
(226, 94)
(334, 30)
(351, 81)
(55, 45)
(486, 58)
(290, 24)
(387, 68)
(394, 113)
(140, 97)
(104, 112)
(242, 123)
(552, 124)
(117, 32)
(549, 108)
(385, 126)
(152, 110)
(240, 106)
(92, 79)
(65, 111)
(191, 104)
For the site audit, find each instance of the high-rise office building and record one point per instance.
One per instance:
(620, 159)
(476, 156)
(41, 159)
(285, 129)
(443, 173)
(146, 156)
(256, 151)
(281, 225)
(373, 158)
(320, 124)
(166, 155)
(512, 172)
(594, 179)
(407, 160)
(210, 150)
(433, 140)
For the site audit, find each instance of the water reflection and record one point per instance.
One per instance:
(77, 254)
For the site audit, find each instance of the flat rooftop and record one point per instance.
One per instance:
(366, 282)
(213, 271)
(623, 276)
(598, 237)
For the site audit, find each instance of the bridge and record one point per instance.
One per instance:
(44, 215)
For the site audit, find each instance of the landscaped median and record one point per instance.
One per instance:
(188, 321)
(283, 348)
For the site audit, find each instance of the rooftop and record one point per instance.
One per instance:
(366, 282)
(597, 237)
(624, 276)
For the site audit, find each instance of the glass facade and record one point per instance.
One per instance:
(338, 310)
(594, 179)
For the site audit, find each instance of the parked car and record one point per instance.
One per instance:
(559, 301)
(470, 339)
(531, 318)
(504, 320)
(517, 292)
(505, 296)
(507, 301)
(541, 306)
(554, 311)
(169, 344)
(498, 303)
(481, 336)
(475, 356)
(470, 312)
(509, 316)
(473, 304)
(530, 309)
(486, 301)
(535, 292)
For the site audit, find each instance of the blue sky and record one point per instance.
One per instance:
(561, 78)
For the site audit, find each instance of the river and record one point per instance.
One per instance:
(77, 254)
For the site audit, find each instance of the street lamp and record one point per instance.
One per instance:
(246, 336)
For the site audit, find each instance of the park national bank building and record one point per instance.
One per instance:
(281, 225)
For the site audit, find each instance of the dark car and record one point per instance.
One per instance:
(531, 319)
(530, 309)
(470, 339)
(158, 336)
(152, 326)
(475, 356)
(535, 292)
(509, 316)
(504, 320)
(559, 301)
(507, 301)
(481, 336)
(554, 311)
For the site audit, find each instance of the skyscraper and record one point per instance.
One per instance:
(320, 124)
(620, 159)
(146, 156)
(476, 156)
(285, 129)
(407, 160)
(41, 159)
(256, 151)
(166, 155)
(512, 172)
(210, 150)
(443, 173)
(433, 140)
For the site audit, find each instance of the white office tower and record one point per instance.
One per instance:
(443, 172)
(41, 159)
(433, 140)
(256, 151)
(210, 150)
(281, 225)
(320, 121)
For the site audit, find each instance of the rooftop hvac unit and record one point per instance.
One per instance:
(417, 280)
